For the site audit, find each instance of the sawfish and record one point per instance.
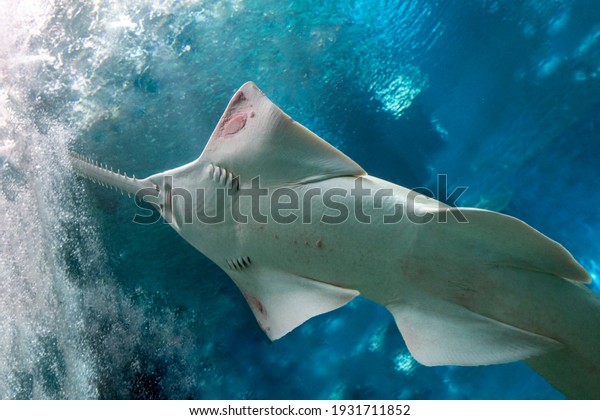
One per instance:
(302, 229)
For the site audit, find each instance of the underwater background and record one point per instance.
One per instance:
(502, 96)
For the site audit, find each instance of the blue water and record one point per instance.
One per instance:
(502, 96)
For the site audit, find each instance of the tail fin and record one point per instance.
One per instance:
(495, 290)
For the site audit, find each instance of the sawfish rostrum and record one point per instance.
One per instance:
(302, 229)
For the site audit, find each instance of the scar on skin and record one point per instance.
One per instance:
(255, 303)
(234, 124)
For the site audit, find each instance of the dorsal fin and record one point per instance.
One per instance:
(255, 138)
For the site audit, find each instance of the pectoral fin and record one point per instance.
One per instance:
(282, 301)
(254, 138)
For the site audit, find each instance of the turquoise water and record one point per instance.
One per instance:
(501, 96)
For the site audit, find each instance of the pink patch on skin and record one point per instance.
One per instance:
(234, 124)
(238, 97)
(255, 303)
